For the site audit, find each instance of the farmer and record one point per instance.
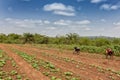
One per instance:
(109, 52)
(76, 50)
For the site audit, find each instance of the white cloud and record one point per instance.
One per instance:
(97, 1)
(117, 24)
(34, 23)
(47, 22)
(51, 28)
(84, 22)
(114, 7)
(105, 6)
(46, 27)
(58, 6)
(61, 22)
(109, 7)
(8, 19)
(58, 27)
(64, 13)
(87, 29)
(26, 23)
(74, 23)
(60, 9)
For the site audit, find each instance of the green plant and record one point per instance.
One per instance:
(53, 78)
(18, 77)
(46, 73)
(8, 78)
(68, 73)
(13, 72)
(2, 62)
(74, 78)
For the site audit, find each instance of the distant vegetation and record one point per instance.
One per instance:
(87, 44)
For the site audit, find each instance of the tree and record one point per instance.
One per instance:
(102, 42)
(38, 38)
(3, 38)
(72, 38)
(45, 40)
(60, 40)
(116, 41)
(13, 38)
(85, 41)
(28, 38)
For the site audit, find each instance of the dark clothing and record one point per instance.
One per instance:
(76, 50)
(109, 52)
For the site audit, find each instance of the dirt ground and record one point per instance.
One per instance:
(87, 66)
(24, 67)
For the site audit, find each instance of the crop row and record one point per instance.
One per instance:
(47, 68)
(83, 48)
(90, 66)
(9, 70)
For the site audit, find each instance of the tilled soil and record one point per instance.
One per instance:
(87, 66)
(26, 68)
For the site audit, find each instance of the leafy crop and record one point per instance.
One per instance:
(5, 72)
(47, 67)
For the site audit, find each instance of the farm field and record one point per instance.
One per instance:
(30, 62)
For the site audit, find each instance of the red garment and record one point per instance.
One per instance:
(108, 50)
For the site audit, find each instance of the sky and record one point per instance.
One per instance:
(60, 17)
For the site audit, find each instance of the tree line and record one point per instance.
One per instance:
(71, 38)
(68, 41)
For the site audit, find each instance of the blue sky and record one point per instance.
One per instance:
(60, 17)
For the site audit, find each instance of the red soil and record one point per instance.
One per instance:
(85, 70)
(26, 68)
